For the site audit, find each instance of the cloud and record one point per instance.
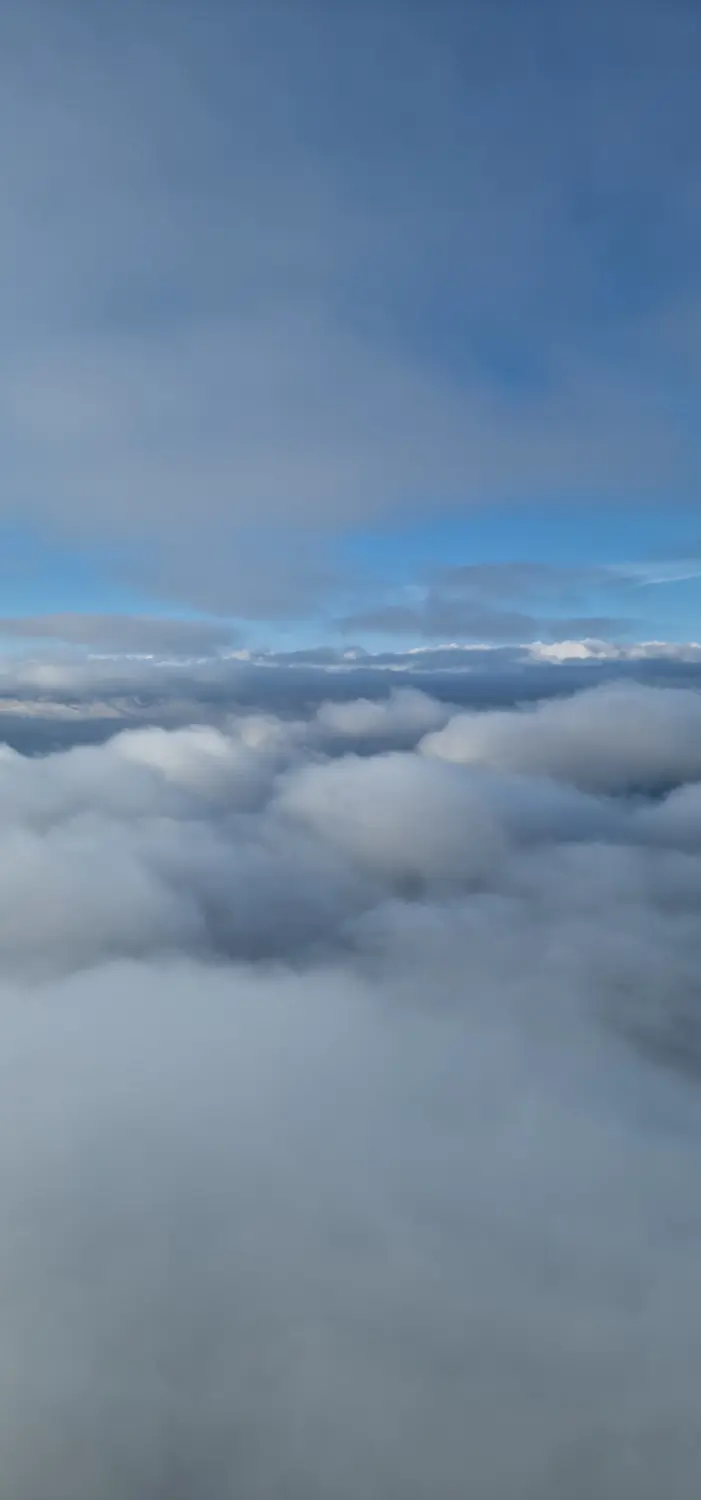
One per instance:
(354, 1101)
(525, 581)
(364, 700)
(614, 738)
(437, 618)
(141, 634)
(254, 1245)
(648, 573)
(614, 651)
(403, 717)
(485, 602)
(349, 1033)
(250, 335)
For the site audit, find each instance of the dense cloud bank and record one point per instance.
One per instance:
(64, 697)
(350, 1063)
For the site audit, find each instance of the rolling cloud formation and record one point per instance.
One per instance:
(350, 1074)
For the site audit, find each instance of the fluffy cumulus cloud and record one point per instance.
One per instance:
(350, 1059)
(614, 738)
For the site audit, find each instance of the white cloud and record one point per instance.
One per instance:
(405, 714)
(588, 650)
(619, 737)
(352, 1105)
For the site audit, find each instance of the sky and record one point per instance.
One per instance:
(303, 304)
(350, 750)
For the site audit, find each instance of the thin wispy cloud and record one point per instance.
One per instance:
(652, 573)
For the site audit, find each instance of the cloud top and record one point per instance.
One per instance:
(352, 1060)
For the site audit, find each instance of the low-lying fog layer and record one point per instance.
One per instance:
(351, 1114)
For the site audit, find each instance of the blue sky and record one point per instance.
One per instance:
(303, 304)
(651, 546)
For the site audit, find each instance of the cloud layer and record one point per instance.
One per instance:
(119, 633)
(312, 268)
(350, 1062)
(490, 602)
